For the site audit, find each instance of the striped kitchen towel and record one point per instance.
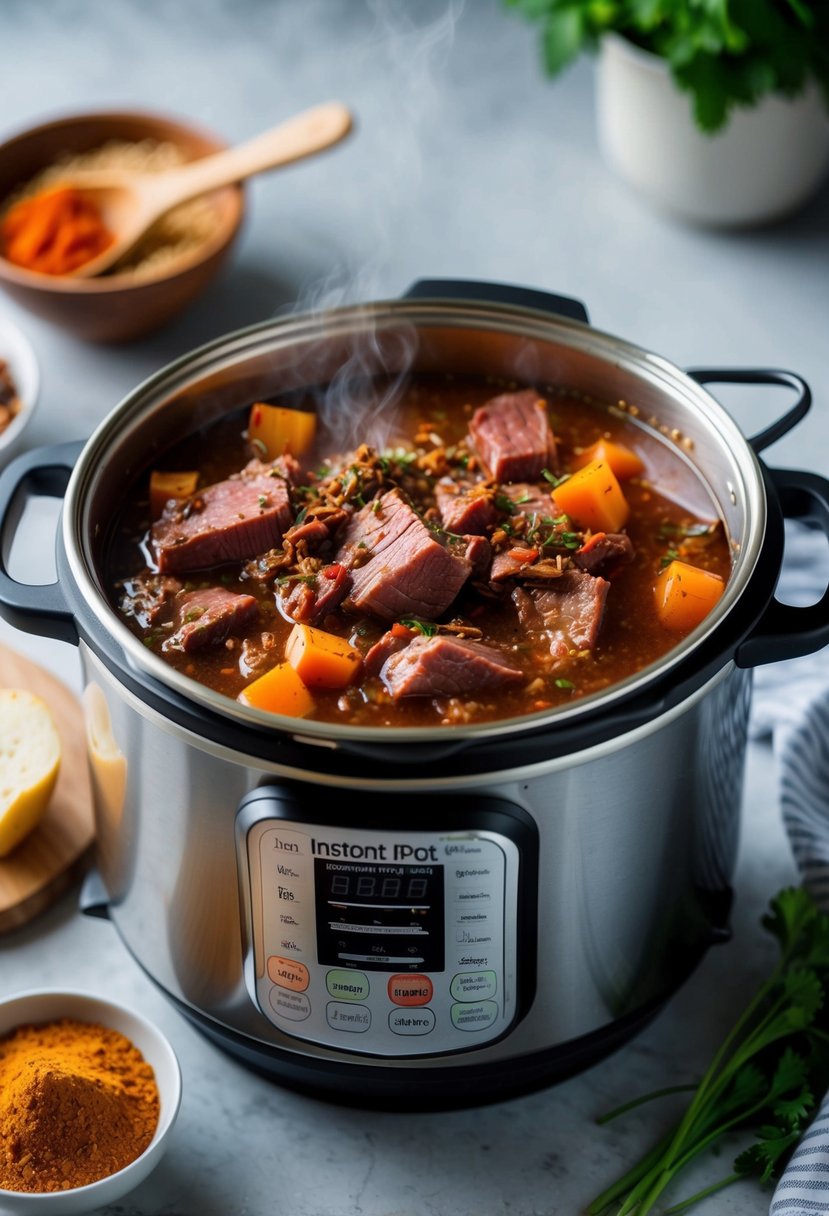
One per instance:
(791, 704)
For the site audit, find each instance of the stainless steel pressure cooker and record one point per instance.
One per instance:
(569, 868)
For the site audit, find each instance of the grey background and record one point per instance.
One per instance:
(466, 162)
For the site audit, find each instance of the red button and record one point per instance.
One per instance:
(410, 989)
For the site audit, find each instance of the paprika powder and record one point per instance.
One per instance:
(78, 1102)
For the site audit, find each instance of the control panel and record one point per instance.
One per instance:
(391, 943)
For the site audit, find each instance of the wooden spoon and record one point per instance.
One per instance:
(130, 202)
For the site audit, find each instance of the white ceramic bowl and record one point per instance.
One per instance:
(46, 1005)
(767, 161)
(18, 354)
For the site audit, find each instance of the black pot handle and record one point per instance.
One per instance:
(497, 293)
(784, 631)
(763, 375)
(42, 473)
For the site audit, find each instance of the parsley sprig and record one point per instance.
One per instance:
(764, 1076)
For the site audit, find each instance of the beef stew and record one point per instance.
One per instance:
(502, 551)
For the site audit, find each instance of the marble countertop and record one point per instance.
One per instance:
(466, 163)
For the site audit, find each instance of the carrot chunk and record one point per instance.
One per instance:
(624, 462)
(593, 498)
(275, 430)
(164, 486)
(320, 659)
(685, 595)
(279, 691)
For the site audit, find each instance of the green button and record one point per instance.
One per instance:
(474, 1017)
(474, 985)
(347, 985)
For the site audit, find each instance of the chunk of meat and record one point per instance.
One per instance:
(479, 555)
(286, 466)
(397, 567)
(530, 499)
(465, 508)
(446, 666)
(604, 553)
(389, 644)
(512, 436)
(309, 602)
(146, 595)
(209, 617)
(569, 612)
(229, 521)
(511, 563)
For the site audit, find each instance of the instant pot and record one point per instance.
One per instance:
(511, 899)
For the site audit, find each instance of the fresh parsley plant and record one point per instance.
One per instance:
(724, 52)
(767, 1076)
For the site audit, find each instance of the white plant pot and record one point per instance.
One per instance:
(767, 161)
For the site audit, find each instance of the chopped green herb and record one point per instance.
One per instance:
(551, 477)
(303, 511)
(671, 555)
(562, 683)
(425, 627)
(667, 529)
(310, 579)
(504, 503)
(263, 500)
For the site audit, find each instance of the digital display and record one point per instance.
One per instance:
(379, 916)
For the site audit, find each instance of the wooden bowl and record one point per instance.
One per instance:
(117, 307)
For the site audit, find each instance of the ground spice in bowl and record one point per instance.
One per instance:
(51, 229)
(78, 1102)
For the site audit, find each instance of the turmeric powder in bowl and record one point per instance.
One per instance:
(78, 1102)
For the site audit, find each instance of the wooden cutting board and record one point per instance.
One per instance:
(49, 860)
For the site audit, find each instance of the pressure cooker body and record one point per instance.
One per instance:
(421, 917)
(430, 942)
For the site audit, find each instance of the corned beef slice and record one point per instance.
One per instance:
(206, 618)
(530, 499)
(512, 436)
(304, 602)
(464, 509)
(570, 611)
(388, 645)
(397, 567)
(230, 521)
(604, 552)
(479, 555)
(445, 666)
(504, 565)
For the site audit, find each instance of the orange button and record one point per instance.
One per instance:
(288, 974)
(410, 989)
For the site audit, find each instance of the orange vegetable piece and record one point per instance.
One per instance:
(320, 659)
(622, 460)
(593, 498)
(164, 486)
(685, 595)
(279, 430)
(279, 691)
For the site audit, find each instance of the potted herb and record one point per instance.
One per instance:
(716, 109)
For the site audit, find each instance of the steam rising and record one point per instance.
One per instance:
(357, 403)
